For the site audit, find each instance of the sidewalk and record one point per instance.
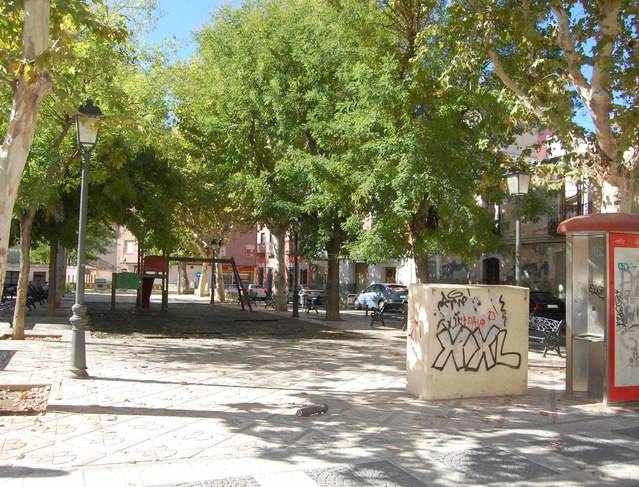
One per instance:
(208, 394)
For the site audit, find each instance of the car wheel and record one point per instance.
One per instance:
(356, 304)
(380, 303)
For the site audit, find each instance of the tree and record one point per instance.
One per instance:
(558, 59)
(27, 67)
(273, 100)
(433, 148)
(30, 84)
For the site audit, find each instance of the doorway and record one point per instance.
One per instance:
(361, 276)
(491, 271)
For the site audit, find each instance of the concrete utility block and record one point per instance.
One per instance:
(466, 341)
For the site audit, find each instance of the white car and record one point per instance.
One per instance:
(256, 292)
(308, 293)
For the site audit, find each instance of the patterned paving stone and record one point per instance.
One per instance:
(236, 482)
(488, 465)
(593, 453)
(373, 474)
(632, 432)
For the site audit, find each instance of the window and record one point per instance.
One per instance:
(304, 276)
(11, 277)
(129, 246)
(389, 274)
(39, 278)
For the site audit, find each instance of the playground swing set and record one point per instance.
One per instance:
(157, 267)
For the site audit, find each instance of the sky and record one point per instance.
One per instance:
(178, 20)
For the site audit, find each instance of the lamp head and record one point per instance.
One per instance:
(86, 125)
(518, 183)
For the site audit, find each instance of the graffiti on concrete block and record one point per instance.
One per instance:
(471, 333)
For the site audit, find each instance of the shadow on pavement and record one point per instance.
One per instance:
(199, 320)
(10, 472)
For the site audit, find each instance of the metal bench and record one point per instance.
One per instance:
(311, 304)
(550, 330)
(268, 301)
(7, 306)
(377, 314)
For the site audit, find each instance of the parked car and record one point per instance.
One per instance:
(546, 305)
(392, 296)
(307, 293)
(256, 292)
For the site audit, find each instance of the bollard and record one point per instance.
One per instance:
(312, 409)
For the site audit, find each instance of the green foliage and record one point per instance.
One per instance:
(560, 62)
(95, 54)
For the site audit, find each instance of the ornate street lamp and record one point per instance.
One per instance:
(518, 185)
(87, 134)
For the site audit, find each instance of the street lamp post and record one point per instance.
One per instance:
(518, 183)
(87, 133)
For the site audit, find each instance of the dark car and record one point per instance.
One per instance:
(546, 305)
(393, 296)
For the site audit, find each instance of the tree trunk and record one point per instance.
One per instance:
(219, 284)
(23, 118)
(332, 281)
(279, 269)
(26, 223)
(617, 193)
(53, 278)
(421, 269)
(204, 280)
(61, 274)
(183, 278)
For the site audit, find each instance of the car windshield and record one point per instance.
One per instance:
(397, 289)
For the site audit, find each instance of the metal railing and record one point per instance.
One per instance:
(566, 211)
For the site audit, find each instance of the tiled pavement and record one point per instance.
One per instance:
(204, 396)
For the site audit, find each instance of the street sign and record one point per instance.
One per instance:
(198, 274)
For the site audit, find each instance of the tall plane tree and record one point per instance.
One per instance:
(560, 58)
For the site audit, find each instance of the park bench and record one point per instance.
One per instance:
(377, 314)
(7, 306)
(550, 332)
(311, 304)
(268, 301)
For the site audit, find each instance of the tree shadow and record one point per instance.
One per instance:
(11, 472)
(201, 320)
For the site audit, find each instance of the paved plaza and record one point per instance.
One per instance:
(206, 396)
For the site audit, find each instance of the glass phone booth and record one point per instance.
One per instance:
(602, 305)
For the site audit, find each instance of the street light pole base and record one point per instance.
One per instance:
(78, 374)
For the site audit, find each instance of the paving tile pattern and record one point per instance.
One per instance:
(594, 453)
(196, 387)
(488, 465)
(374, 474)
(235, 482)
(632, 432)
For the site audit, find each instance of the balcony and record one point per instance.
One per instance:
(265, 248)
(567, 210)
